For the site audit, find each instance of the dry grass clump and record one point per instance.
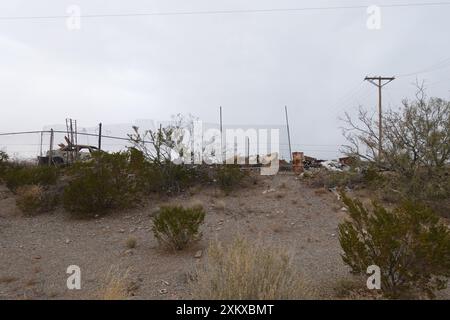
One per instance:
(116, 285)
(248, 271)
(32, 199)
(333, 179)
(321, 191)
(131, 243)
(280, 195)
(8, 279)
(219, 205)
(355, 289)
(195, 203)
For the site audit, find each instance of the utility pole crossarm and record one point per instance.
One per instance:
(372, 80)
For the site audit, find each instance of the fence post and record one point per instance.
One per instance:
(50, 156)
(40, 147)
(100, 136)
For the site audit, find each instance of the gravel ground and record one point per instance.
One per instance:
(36, 251)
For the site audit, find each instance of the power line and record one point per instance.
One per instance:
(350, 94)
(223, 12)
(438, 82)
(437, 66)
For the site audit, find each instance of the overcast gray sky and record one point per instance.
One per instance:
(120, 69)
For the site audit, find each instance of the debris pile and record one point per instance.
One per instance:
(310, 162)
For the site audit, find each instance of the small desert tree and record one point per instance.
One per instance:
(165, 143)
(415, 145)
(409, 244)
(415, 136)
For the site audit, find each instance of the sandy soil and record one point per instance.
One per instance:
(36, 251)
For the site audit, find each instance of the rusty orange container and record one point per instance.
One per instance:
(297, 162)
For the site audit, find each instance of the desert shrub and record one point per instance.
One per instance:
(99, 185)
(166, 177)
(131, 243)
(116, 285)
(3, 163)
(332, 179)
(228, 176)
(3, 156)
(175, 178)
(34, 199)
(415, 146)
(431, 189)
(175, 227)
(372, 176)
(409, 244)
(163, 176)
(244, 271)
(17, 175)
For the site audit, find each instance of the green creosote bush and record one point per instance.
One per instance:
(176, 227)
(163, 176)
(18, 175)
(409, 244)
(101, 184)
(228, 176)
(34, 199)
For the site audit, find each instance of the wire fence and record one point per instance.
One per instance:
(28, 145)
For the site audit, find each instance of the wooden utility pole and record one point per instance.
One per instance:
(288, 133)
(380, 82)
(221, 136)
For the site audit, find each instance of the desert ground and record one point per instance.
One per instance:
(277, 210)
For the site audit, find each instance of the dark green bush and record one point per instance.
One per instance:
(17, 175)
(409, 244)
(164, 176)
(3, 156)
(229, 176)
(432, 189)
(3, 163)
(372, 176)
(175, 227)
(173, 177)
(101, 184)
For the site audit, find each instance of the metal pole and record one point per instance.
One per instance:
(248, 151)
(50, 156)
(100, 136)
(76, 140)
(158, 152)
(40, 148)
(72, 152)
(288, 132)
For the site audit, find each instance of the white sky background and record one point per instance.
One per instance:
(118, 70)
